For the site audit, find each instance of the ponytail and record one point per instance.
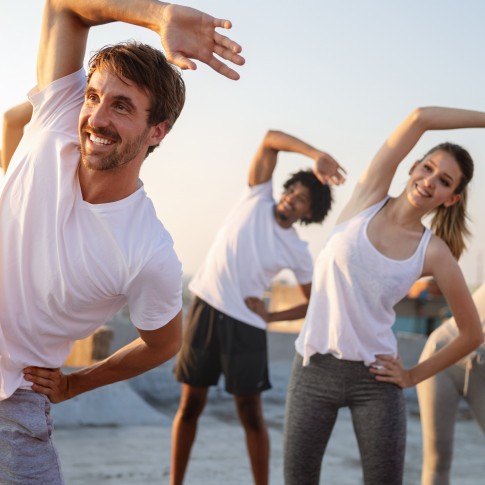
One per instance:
(450, 224)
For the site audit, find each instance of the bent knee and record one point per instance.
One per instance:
(251, 414)
(191, 408)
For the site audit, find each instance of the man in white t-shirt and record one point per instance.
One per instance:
(80, 238)
(226, 325)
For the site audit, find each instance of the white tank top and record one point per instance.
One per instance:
(354, 290)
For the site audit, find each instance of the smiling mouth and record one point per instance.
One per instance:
(97, 140)
(421, 192)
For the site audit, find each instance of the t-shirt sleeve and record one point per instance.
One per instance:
(262, 191)
(57, 106)
(154, 296)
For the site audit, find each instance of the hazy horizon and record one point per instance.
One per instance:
(338, 74)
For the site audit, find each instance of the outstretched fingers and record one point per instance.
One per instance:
(232, 47)
(189, 35)
(228, 50)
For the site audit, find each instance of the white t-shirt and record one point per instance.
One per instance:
(248, 251)
(354, 290)
(67, 266)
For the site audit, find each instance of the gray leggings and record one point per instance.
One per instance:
(316, 392)
(438, 403)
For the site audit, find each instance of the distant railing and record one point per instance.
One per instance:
(433, 310)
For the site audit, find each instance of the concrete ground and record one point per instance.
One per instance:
(114, 437)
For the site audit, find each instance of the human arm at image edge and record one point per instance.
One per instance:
(14, 121)
(150, 350)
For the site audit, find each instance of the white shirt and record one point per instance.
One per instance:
(354, 290)
(248, 251)
(67, 266)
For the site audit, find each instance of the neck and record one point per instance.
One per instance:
(400, 211)
(103, 187)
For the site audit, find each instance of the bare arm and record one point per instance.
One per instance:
(264, 162)
(444, 268)
(14, 121)
(293, 313)
(184, 32)
(145, 353)
(374, 184)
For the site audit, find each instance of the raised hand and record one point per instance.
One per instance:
(187, 33)
(328, 170)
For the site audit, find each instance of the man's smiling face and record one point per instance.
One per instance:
(113, 127)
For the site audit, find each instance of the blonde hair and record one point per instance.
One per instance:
(450, 223)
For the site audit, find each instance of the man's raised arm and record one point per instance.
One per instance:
(185, 34)
(264, 162)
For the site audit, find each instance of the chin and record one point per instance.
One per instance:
(281, 216)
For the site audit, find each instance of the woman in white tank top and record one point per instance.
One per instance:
(346, 351)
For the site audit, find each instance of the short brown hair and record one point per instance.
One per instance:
(148, 68)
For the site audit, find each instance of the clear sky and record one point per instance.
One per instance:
(339, 74)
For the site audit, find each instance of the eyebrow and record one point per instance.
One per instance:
(446, 175)
(118, 98)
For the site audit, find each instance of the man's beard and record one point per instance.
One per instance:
(279, 215)
(120, 155)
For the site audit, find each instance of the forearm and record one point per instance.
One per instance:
(457, 349)
(439, 118)
(294, 313)
(280, 141)
(132, 360)
(144, 13)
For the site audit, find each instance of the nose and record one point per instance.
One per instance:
(430, 180)
(98, 116)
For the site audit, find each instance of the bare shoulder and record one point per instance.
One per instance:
(439, 261)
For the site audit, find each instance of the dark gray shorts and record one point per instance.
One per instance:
(27, 453)
(215, 344)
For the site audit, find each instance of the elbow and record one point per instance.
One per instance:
(176, 342)
(169, 351)
(423, 117)
(270, 139)
(479, 339)
(475, 340)
(177, 345)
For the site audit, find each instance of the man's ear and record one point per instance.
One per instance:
(413, 167)
(158, 133)
(452, 200)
